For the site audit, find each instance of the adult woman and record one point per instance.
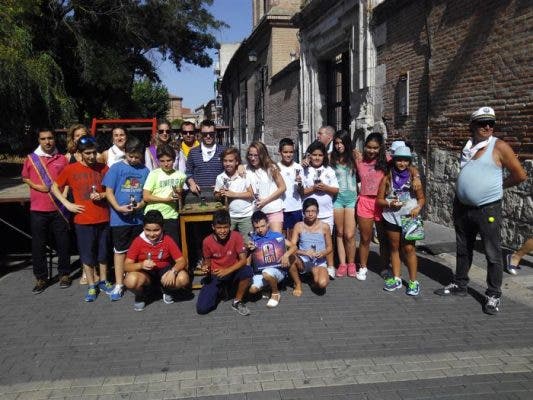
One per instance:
(162, 136)
(116, 152)
(75, 132)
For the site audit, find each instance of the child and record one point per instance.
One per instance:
(267, 184)
(398, 199)
(320, 183)
(237, 190)
(291, 173)
(124, 184)
(343, 163)
(163, 188)
(269, 258)
(225, 261)
(313, 239)
(371, 167)
(154, 259)
(91, 219)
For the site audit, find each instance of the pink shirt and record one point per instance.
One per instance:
(370, 177)
(41, 201)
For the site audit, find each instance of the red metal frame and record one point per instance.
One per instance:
(152, 121)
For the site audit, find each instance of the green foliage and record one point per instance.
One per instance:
(150, 99)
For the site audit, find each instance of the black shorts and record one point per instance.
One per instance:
(156, 274)
(391, 227)
(123, 236)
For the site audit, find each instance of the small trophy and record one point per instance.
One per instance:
(225, 184)
(177, 192)
(298, 178)
(317, 176)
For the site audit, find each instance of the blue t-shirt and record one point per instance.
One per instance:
(268, 250)
(126, 180)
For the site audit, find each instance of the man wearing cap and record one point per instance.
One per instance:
(477, 204)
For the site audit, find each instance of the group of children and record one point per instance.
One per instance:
(278, 221)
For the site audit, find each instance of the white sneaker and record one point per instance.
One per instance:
(331, 272)
(361, 274)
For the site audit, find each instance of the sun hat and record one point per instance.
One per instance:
(395, 145)
(403, 151)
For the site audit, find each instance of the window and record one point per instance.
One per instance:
(338, 104)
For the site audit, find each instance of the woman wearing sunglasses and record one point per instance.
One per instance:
(162, 136)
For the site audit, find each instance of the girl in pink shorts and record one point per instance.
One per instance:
(371, 167)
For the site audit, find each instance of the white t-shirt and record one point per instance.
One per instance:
(238, 208)
(114, 155)
(292, 201)
(327, 176)
(263, 184)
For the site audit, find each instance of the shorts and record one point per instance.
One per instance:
(391, 227)
(290, 218)
(259, 282)
(367, 208)
(310, 263)
(156, 274)
(122, 237)
(329, 221)
(243, 225)
(345, 199)
(93, 242)
(275, 217)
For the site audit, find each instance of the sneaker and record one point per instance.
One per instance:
(361, 274)
(391, 284)
(509, 267)
(167, 298)
(413, 289)
(240, 307)
(352, 271)
(451, 290)
(65, 281)
(492, 306)
(117, 293)
(341, 271)
(92, 293)
(105, 287)
(139, 303)
(331, 272)
(39, 287)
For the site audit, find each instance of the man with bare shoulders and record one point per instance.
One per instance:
(477, 205)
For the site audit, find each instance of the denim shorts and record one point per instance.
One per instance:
(93, 241)
(310, 263)
(290, 218)
(345, 199)
(279, 274)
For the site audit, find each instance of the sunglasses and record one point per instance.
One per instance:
(164, 131)
(210, 134)
(187, 133)
(483, 124)
(87, 140)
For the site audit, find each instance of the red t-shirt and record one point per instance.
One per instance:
(54, 165)
(163, 253)
(223, 255)
(81, 178)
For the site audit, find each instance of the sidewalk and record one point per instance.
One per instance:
(354, 342)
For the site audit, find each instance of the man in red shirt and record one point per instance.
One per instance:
(47, 214)
(91, 212)
(225, 260)
(154, 259)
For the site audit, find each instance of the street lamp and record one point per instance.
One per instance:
(252, 56)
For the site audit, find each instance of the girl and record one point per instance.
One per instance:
(267, 184)
(313, 240)
(320, 182)
(398, 198)
(162, 136)
(237, 191)
(343, 163)
(371, 167)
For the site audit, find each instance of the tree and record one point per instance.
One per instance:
(149, 99)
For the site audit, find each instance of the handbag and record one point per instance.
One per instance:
(412, 228)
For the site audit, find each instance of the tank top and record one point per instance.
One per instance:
(480, 181)
(310, 239)
(114, 154)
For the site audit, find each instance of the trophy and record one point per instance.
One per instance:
(317, 176)
(177, 192)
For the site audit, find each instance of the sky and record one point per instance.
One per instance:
(193, 83)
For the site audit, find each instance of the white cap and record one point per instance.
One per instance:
(483, 114)
(395, 145)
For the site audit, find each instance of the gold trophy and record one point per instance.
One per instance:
(177, 192)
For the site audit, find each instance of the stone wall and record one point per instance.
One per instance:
(517, 201)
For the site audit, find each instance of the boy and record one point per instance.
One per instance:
(269, 258)
(161, 190)
(149, 262)
(225, 261)
(292, 173)
(91, 213)
(124, 183)
(237, 190)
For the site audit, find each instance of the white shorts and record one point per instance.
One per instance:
(329, 221)
(310, 263)
(277, 273)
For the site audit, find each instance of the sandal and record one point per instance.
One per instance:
(274, 300)
(297, 292)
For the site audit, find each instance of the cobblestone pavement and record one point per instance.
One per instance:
(354, 342)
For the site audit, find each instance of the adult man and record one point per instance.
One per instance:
(188, 135)
(477, 204)
(204, 161)
(325, 135)
(40, 169)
